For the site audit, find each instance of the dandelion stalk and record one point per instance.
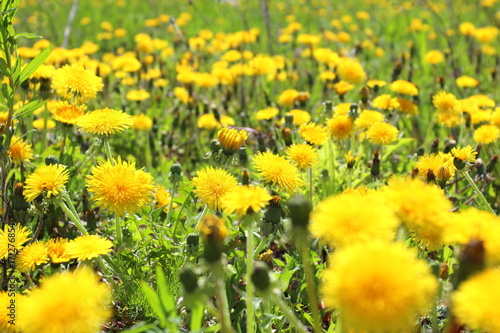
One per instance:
(119, 238)
(107, 149)
(225, 317)
(70, 210)
(201, 217)
(292, 318)
(248, 220)
(476, 189)
(311, 284)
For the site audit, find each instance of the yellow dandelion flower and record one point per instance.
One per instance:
(351, 159)
(66, 113)
(475, 303)
(340, 126)
(340, 222)
(138, 95)
(299, 117)
(367, 118)
(486, 134)
(48, 180)
(231, 140)
(211, 184)
(87, 247)
(431, 163)
(434, 57)
(422, 207)
(57, 250)
(267, 113)
(375, 84)
(163, 198)
(404, 87)
(32, 255)
(482, 101)
(21, 236)
(118, 187)
(19, 150)
(350, 70)
(104, 121)
(386, 102)
(446, 102)
(244, 200)
(473, 224)
(342, 87)
(76, 82)
(208, 121)
(142, 122)
(465, 81)
(183, 95)
(66, 302)
(466, 154)
(314, 134)
(302, 155)
(382, 134)
(276, 170)
(407, 106)
(378, 287)
(40, 124)
(287, 97)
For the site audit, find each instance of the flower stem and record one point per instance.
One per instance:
(118, 225)
(311, 284)
(480, 195)
(311, 184)
(72, 214)
(292, 318)
(201, 217)
(223, 304)
(107, 150)
(249, 289)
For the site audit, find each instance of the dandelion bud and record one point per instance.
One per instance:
(289, 120)
(364, 94)
(273, 212)
(444, 270)
(375, 168)
(491, 164)
(443, 175)
(353, 112)
(458, 163)
(430, 177)
(302, 97)
(299, 209)
(260, 276)
(328, 108)
(189, 279)
(267, 257)
(435, 146)
(396, 71)
(440, 80)
(493, 72)
(420, 151)
(472, 260)
(286, 134)
(175, 174)
(213, 231)
(231, 140)
(18, 202)
(480, 167)
(51, 159)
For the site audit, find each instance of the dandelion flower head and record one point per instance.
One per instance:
(22, 235)
(119, 187)
(245, 199)
(276, 170)
(302, 155)
(404, 87)
(314, 134)
(386, 289)
(48, 180)
(105, 121)
(19, 151)
(88, 246)
(57, 250)
(382, 133)
(74, 81)
(32, 255)
(211, 184)
(66, 113)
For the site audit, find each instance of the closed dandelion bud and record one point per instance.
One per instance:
(420, 151)
(302, 97)
(493, 73)
(435, 146)
(480, 167)
(328, 108)
(430, 177)
(289, 120)
(260, 276)
(51, 159)
(449, 146)
(353, 112)
(273, 212)
(175, 174)
(444, 270)
(286, 134)
(468, 119)
(458, 163)
(364, 94)
(440, 80)
(19, 202)
(396, 71)
(491, 164)
(472, 260)
(267, 257)
(215, 146)
(189, 279)
(192, 240)
(375, 168)
(443, 175)
(299, 209)
(213, 231)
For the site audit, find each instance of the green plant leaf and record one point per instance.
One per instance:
(155, 303)
(34, 64)
(26, 35)
(29, 107)
(167, 300)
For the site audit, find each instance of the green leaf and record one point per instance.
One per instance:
(391, 148)
(140, 327)
(26, 35)
(3, 67)
(29, 107)
(167, 300)
(34, 64)
(155, 303)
